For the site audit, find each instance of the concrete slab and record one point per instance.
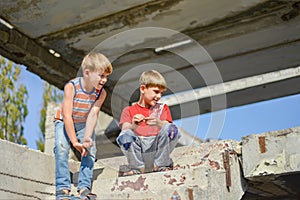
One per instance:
(271, 164)
(199, 173)
(25, 173)
(266, 168)
(274, 152)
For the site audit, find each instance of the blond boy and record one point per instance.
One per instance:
(83, 98)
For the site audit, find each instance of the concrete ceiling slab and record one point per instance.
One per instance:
(235, 38)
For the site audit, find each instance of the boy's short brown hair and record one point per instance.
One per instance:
(153, 78)
(95, 61)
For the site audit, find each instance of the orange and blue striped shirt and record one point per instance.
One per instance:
(82, 101)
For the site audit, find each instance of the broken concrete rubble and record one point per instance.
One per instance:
(267, 168)
(271, 163)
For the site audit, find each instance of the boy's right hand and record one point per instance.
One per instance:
(138, 119)
(79, 147)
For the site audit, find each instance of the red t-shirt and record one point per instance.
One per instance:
(143, 129)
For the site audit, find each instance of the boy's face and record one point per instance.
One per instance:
(151, 95)
(98, 78)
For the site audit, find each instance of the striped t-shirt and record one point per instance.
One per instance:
(82, 102)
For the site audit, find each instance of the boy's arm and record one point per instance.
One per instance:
(67, 110)
(92, 120)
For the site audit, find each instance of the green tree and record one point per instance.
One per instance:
(51, 94)
(13, 101)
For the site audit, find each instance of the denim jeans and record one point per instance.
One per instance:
(61, 151)
(147, 152)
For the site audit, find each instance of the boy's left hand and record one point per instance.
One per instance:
(87, 142)
(153, 121)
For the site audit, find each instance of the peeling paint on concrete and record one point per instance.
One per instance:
(214, 164)
(201, 182)
(138, 185)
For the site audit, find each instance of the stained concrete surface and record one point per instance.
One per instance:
(223, 169)
(244, 38)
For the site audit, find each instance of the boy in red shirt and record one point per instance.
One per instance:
(148, 135)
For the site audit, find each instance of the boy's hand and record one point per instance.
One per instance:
(79, 147)
(138, 119)
(153, 121)
(87, 142)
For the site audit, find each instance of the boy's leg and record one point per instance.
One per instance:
(61, 152)
(87, 164)
(164, 145)
(148, 151)
(131, 148)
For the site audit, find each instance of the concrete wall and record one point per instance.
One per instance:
(25, 173)
(266, 168)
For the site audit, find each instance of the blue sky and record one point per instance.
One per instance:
(240, 121)
(276, 114)
(35, 87)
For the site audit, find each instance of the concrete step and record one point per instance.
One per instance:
(193, 183)
(199, 173)
(206, 154)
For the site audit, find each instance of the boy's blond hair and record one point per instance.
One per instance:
(95, 61)
(153, 78)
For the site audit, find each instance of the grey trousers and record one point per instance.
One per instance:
(146, 152)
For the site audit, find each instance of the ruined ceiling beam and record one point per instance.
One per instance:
(25, 51)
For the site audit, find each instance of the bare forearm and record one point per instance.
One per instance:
(69, 126)
(127, 126)
(90, 125)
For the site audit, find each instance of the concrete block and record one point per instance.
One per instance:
(27, 173)
(49, 127)
(271, 153)
(199, 173)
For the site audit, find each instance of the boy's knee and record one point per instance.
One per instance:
(171, 131)
(125, 137)
(127, 145)
(125, 141)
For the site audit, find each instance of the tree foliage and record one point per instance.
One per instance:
(51, 94)
(13, 101)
